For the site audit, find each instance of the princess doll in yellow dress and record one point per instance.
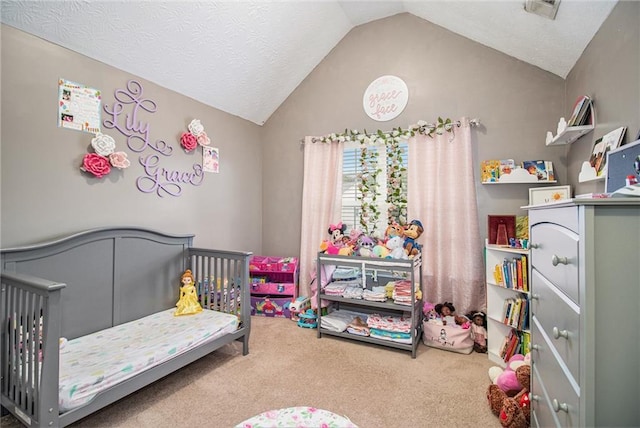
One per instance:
(188, 303)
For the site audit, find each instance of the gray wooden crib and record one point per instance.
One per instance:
(99, 279)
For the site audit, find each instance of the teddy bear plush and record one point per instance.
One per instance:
(513, 412)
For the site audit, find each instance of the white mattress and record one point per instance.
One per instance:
(93, 363)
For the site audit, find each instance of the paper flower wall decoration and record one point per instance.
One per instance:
(99, 163)
(196, 136)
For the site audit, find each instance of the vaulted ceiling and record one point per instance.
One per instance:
(245, 57)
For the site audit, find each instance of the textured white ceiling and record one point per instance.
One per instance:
(246, 57)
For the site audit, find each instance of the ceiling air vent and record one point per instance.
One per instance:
(546, 8)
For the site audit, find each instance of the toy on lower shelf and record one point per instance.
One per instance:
(308, 319)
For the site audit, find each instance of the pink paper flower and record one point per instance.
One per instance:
(188, 141)
(203, 139)
(96, 165)
(119, 160)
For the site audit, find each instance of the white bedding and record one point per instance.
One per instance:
(92, 363)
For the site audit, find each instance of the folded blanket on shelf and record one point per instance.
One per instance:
(358, 326)
(338, 320)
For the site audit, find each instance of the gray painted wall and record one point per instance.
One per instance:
(608, 71)
(447, 75)
(255, 202)
(44, 194)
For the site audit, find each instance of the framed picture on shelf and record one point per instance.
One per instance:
(545, 195)
(501, 228)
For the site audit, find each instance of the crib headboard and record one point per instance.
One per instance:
(112, 275)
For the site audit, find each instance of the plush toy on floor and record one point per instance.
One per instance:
(513, 412)
(506, 378)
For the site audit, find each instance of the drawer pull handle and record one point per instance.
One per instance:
(535, 397)
(535, 296)
(555, 260)
(557, 334)
(535, 347)
(533, 246)
(560, 406)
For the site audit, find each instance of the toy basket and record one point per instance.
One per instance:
(446, 337)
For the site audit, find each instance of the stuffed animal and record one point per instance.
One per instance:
(394, 229)
(506, 379)
(411, 233)
(513, 412)
(379, 250)
(336, 233)
(365, 246)
(396, 247)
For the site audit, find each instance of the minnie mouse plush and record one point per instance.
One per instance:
(336, 232)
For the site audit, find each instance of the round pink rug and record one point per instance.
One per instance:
(297, 417)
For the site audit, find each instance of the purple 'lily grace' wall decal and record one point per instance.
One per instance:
(156, 178)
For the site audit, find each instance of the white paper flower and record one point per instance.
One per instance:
(103, 144)
(195, 127)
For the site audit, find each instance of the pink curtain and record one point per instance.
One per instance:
(441, 194)
(321, 204)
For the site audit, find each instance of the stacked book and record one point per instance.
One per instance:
(581, 114)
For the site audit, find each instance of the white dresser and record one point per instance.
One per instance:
(585, 313)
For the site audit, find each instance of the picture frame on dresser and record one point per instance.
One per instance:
(545, 195)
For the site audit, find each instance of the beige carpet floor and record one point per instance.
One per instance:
(288, 366)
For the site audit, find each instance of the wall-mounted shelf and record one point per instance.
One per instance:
(518, 175)
(588, 173)
(579, 124)
(568, 135)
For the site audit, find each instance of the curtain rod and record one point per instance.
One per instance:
(472, 122)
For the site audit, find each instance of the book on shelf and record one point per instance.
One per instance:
(611, 141)
(537, 168)
(508, 303)
(551, 176)
(525, 279)
(580, 109)
(506, 166)
(519, 273)
(490, 170)
(522, 227)
(526, 342)
(584, 115)
(512, 345)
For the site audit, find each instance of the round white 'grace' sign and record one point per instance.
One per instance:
(385, 98)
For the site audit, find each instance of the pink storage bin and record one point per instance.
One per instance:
(269, 306)
(289, 264)
(264, 263)
(273, 288)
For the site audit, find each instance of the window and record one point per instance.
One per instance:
(374, 186)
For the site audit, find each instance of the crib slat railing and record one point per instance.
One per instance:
(30, 332)
(224, 280)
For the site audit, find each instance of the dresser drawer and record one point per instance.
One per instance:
(554, 253)
(564, 400)
(566, 217)
(558, 316)
(542, 415)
